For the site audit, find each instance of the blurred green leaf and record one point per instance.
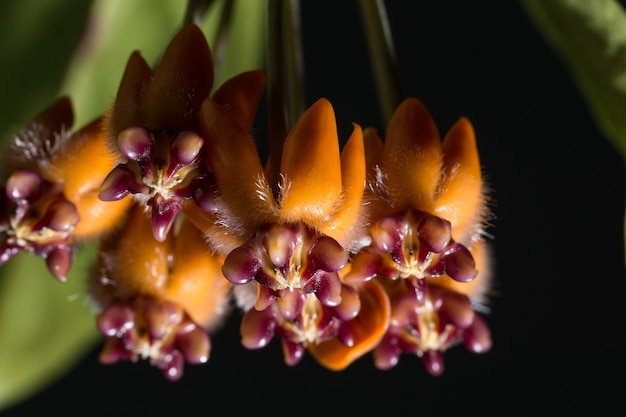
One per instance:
(46, 326)
(590, 37)
(37, 41)
(80, 48)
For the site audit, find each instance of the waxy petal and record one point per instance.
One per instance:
(460, 264)
(164, 212)
(477, 288)
(60, 216)
(433, 362)
(350, 303)
(115, 320)
(184, 150)
(327, 288)
(121, 182)
(195, 345)
(136, 143)
(257, 328)
(292, 352)
(312, 167)
(241, 265)
(59, 261)
(477, 337)
(114, 351)
(24, 186)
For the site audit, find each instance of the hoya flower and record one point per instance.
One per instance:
(427, 329)
(285, 253)
(299, 239)
(49, 201)
(154, 127)
(427, 199)
(158, 300)
(335, 336)
(428, 209)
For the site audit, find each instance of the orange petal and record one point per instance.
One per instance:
(219, 237)
(311, 165)
(181, 82)
(412, 157)
(232, 156)
(241, 95)
(373, 148)
(133, 262)
(80, 166)
(126, 108)
(345, 224)
(368, 327)
(39, 134)
(196, 282)
(461, 194)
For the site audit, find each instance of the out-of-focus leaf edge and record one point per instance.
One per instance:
(46, 326)
(590, 38)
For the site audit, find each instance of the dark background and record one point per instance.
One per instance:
(558, 189)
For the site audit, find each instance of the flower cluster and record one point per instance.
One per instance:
(374, 247)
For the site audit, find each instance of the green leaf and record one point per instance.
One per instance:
(590, 37)
(35, 55)
(46, 326)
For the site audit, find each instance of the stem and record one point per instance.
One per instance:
(294, 60)
(382, 56)
(285, 80)
(277, 116)
(194, 13)
(222, 36)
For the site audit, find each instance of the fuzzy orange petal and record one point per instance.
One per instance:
(412, 157)
(232, 156)
(182, 80)
(241, 95)
(312, 167)
(461, 197)
(345, 224)
(368, 327)
(196, 282)
(139, 264)
(126, 108)
(80, 166)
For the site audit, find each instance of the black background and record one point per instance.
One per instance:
(558, 190)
